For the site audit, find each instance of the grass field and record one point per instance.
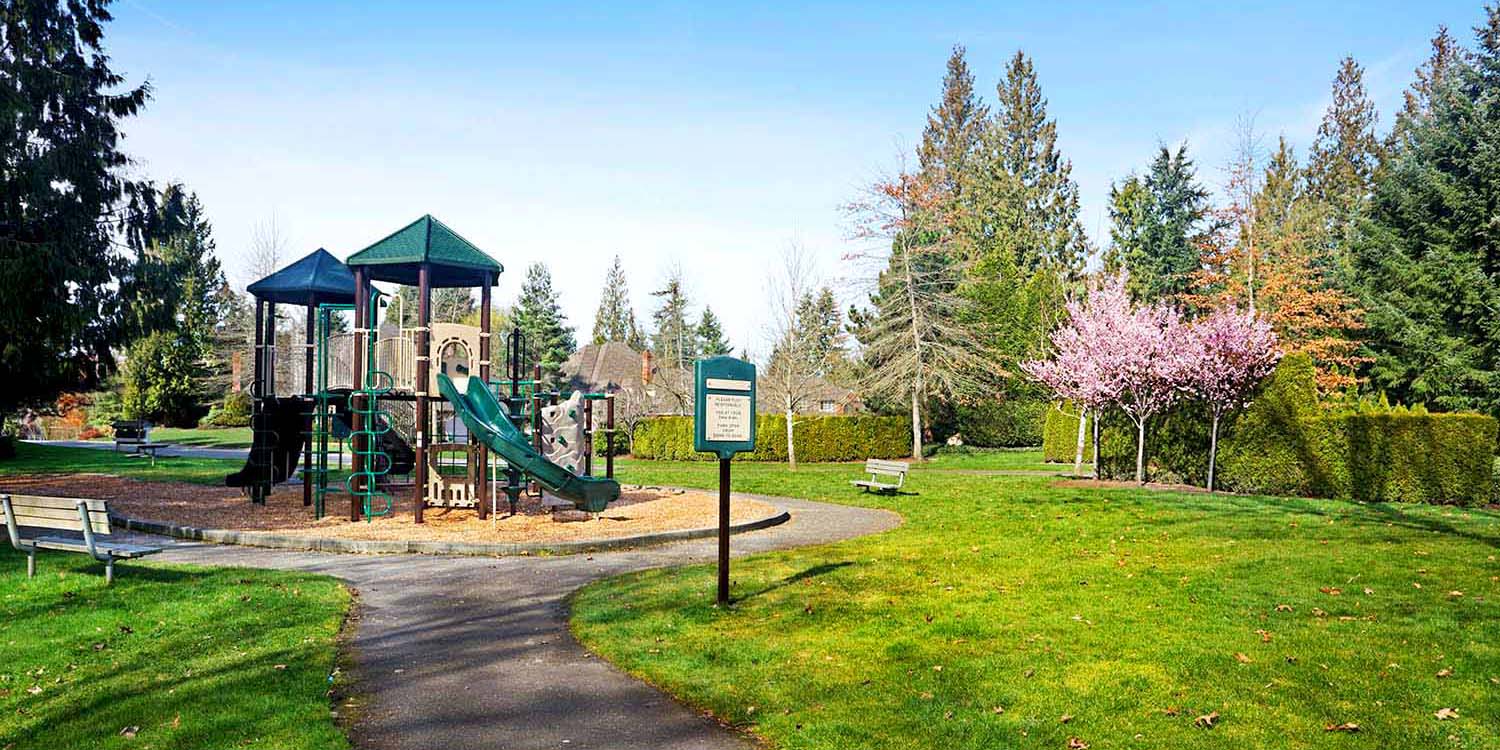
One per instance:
(56, 459)
(225, 437)
(167, 657)
(1010, 612)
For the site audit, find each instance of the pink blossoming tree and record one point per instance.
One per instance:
(1115, 352)
(1229, 352)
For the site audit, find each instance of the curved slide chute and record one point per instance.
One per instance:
(489, 421)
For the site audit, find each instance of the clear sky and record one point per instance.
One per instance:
(699, 134)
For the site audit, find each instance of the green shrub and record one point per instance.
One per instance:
(1060, 434)
(233, 412)
(1283, 444)
(830, 438)
(1012, 423)
(159, 381)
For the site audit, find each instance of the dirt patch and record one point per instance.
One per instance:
(640, 510)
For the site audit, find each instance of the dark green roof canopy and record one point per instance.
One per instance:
(316, 279)
(452, 260)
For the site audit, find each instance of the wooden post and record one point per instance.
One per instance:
(270, 348)
(307, 390)
(257, 397)
(424, 362)
(357, 422)
(609, 426)
(588, 437)
(483, 457)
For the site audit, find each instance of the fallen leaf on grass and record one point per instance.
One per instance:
(1283, 608)
(1455, 594)
(999, 710)
(1066, 718)
(1265, 636)
(1330, 591)
(1347, 726)
(129, 732)
(1075, 743)
(1445, 672)
(1241, 658)
(1318, 612)
(1369, 591)
(1207, 721)
(1444, 714)
(1170, 711)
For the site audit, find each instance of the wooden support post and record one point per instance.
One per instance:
(361, 318)
(424, 363)
(483, 457)
(270, 348)
(588, 437)
(307, 390)
(257, 396)
(609, 426)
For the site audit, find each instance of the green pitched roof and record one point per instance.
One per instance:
(453, 261)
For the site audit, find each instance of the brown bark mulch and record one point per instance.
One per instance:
(640, 510)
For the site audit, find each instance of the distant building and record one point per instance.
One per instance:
(648, 387)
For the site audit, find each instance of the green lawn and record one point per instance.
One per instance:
(1007, 459)
(56, 459)
(224, 437)
(1007, 612)
(177, 656)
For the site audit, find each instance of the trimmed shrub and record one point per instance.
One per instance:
(1284, 445)
(1012, 423)
(159, 381)
(233, 412)
(832, 438)
(1060, 434)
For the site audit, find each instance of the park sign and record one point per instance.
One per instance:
(724, 406)
(723, 423)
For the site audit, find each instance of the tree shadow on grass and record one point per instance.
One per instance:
(813, 572)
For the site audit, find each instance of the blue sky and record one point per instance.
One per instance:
(706, 135)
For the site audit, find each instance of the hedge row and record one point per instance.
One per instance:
(833, 438)
(1014, 422)
(1284, 444)
(1060, 435)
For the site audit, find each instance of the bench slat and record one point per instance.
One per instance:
(66, 544)
(46, 512)
(48, 501)
(101, 526)
(895, 466)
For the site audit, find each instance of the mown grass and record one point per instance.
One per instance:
(1013, 612)
(203, 437)
(33, 459)
(998, 459)
(168, 657)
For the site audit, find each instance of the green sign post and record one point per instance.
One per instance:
(723, 423)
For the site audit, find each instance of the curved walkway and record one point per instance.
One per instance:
(460, 653)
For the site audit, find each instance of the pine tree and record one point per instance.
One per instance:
(615, 319)
(1346, 154)
(1160, 224)
(62, 174)
(1029, 207)
(710, 335)
(538, 313)
(954, 128)
(1425, 258)
(675, 341)
(1431, 77)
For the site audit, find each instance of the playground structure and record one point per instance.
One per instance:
(411, 426)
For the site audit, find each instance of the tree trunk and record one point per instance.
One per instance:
(916, 426)
(1083, 426)
(1213, 450)
(791, 447)
(1140, 452)
(1096, 446)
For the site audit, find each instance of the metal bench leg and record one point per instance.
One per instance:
(109, 571)
(31, 564)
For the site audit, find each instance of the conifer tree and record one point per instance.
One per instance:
(62, 174)
(710, 335)
(1344, 158)
(1159, 226)
(954, 127)
(615, 319)
(675, 341)
(538, 313)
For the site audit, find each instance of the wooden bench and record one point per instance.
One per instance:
(91, 517)
(877, 468)
(131, 432)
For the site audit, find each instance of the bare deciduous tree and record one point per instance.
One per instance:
(791, 373)
(915, 342)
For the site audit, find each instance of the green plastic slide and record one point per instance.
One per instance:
(489, 421)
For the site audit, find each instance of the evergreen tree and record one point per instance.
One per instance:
(615, 319)
(710, 335)
(61, 177)
(452, 305)
(1425, 258)
(538, 313)
(1029, 206)
(675, 341)
(1159, 226)
(954, 128)
(1346, 154)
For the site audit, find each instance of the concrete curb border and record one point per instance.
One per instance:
(272, 540)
